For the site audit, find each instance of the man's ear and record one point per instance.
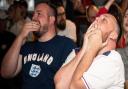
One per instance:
(113, 35)
(52, 19)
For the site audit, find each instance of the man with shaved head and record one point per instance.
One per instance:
(97, 65)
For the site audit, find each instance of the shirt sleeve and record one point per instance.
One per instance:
(70, 57)
(102, 74)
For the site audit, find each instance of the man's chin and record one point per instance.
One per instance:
(61, 27)
(37, 34)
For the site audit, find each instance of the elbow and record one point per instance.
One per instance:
(57, 78)
(57, 82)
(5, 74)
(73, 85)
(58, 85)
(76, 84)
(60, 82)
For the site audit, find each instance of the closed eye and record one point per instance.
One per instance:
(104, 20)
(125, 16)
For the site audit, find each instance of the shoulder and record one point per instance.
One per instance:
(114, 54)
(27, 47)
(67, 42)
(29, 44)
(64, 39)
(109, 58)
(113, 58)
(69, 22)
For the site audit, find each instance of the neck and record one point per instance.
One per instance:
(48, 35)
(110, 46)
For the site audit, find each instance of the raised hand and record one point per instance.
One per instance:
(31, 26)
(93, 38)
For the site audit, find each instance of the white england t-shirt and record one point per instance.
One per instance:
(106, 72)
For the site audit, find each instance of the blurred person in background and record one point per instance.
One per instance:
(100, 3)
(93, 11)
(65, 27)
(17, 17)
(123, 41)
(6, 40)
(122, 45)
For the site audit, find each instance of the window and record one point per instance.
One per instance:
(4, 4)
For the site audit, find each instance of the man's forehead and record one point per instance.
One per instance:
(111, 20)
(109, 16)
(42, 5)
(41, 8)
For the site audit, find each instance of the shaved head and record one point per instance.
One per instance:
(107, 23)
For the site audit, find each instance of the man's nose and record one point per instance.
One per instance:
(99, 18)
(127, 18)
(35, 18)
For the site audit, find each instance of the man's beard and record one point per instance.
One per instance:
(42, 31)
(61, 25)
